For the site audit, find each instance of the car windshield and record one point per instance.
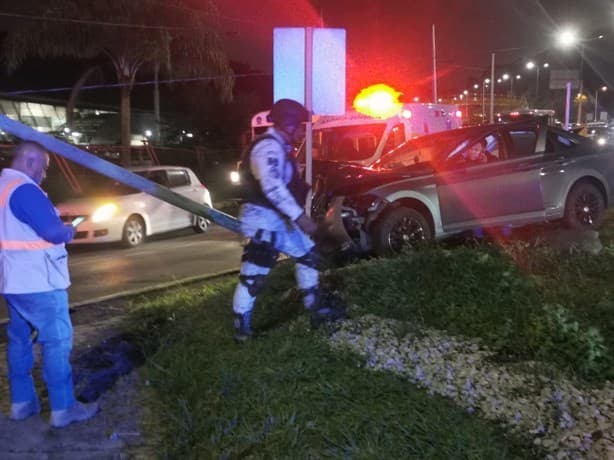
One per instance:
(346, 143)
(433, 148)
(98, 185)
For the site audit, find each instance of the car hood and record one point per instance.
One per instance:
(335, 178)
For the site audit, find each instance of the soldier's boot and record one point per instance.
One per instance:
(243, 330)
(329, 307)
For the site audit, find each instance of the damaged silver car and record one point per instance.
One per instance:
(490, 176)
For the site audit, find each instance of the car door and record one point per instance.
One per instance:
(160, 213)
(505, 189)
(179, 182)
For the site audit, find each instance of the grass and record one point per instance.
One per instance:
(288, 395)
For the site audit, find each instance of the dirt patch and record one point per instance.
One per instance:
(105, 368)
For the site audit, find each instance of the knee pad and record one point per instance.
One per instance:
(253, 283)
(262, 254)
(311, 259)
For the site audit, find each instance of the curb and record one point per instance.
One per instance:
(145, 290)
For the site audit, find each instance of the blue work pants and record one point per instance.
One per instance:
(47, 314)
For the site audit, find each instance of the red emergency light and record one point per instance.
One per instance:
(378, 101)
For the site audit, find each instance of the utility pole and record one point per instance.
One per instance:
(491, 118)
(579, 118)
(434, 68)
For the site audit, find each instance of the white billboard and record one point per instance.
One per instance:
(327, 67)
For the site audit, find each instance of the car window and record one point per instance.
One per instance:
(556, 141)
(158, 176)
(350, 143)
(177, 177)
(483, 150)
(96, 185)
(522, 142)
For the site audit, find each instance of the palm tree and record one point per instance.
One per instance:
(133, 35)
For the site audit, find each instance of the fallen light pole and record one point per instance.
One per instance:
(118, 173)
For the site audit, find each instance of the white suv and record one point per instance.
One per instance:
(111, 211)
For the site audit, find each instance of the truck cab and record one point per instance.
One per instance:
(362, 140)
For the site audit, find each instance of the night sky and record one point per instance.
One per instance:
(390, 40)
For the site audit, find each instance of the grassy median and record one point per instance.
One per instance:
(288, 394)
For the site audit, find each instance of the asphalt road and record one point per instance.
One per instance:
(102, 271)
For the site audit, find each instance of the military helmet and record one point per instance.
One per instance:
(288, 111)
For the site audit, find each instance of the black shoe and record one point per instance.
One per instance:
(243, 331)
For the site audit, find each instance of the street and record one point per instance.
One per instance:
(99, 271)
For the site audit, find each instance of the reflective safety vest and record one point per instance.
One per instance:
(28, 263)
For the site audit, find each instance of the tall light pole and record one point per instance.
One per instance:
(579, 118)
(466, 94)
(603, 88)
(530, 66)
(568, 38)
(491, 114)
(484, 85)
(434, 66)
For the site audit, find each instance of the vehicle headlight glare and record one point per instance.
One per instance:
(234, 177)
(104, 212)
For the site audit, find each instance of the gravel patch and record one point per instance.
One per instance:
(566, 421)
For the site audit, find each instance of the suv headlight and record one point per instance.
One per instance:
(363, 204)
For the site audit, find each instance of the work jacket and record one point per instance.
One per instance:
(28, 263)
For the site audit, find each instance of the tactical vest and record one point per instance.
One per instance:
(251, 192)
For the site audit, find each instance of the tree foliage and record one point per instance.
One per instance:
(134, 35)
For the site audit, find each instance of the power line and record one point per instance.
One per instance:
(90, 22)
(119, 85)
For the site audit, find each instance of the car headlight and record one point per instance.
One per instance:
(362, 203)
(235, 177)
(104, 212)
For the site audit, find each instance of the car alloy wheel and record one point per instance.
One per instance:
(585, 207)
(201, 225)
(134, 231)
(400, 228)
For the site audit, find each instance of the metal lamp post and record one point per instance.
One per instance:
(603, 88)
(530, 66)
(485, 84)
(568, 38)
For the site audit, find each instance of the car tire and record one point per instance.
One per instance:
(201, 224)
(584, 207)
(133, 233)
(398, 229)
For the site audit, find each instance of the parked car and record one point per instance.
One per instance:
(110, 211)
(429, 188)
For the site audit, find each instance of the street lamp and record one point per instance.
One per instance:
(485, 84)
(506, 77)
(530, 66)
(569, 38)
(603, 88)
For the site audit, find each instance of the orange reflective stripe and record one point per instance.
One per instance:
(9, 188)
(33, 245)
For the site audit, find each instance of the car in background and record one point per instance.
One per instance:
(110, 211)
(599, 132)
(428, 188)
